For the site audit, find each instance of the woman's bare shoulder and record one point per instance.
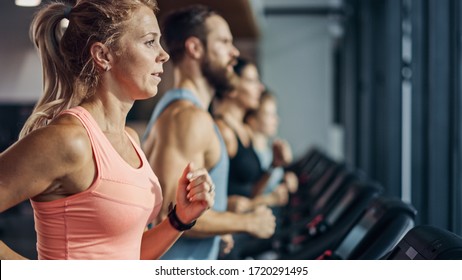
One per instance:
(65, 137)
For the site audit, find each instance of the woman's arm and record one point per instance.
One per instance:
(278, 197)
(41, 162)
(260, 185)
(35, 166)
(158, 240)
(6, 253)
(282, 156)
(194, 195)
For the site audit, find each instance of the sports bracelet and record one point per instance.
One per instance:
(175, 221)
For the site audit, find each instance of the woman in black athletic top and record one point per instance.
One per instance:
(247, 179)
(246, 176)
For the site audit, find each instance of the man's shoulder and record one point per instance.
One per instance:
(184, 112)
(183, 122)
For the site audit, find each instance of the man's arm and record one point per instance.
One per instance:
(259, 223)
(184, 134)
(176, 139)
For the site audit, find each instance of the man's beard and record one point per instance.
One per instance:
(219, 78)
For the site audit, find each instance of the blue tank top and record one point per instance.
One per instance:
(197, 248)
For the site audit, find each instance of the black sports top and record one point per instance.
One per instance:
(244, 170)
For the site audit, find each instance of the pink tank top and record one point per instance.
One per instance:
(107, 220)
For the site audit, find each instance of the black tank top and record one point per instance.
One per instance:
(244, 170)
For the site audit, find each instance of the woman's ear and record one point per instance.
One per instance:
(101, 56)
(194, 47)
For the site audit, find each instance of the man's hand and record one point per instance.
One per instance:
(262, 222)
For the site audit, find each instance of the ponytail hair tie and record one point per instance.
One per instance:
(67, 11)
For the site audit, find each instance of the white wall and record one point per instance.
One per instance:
(21, 76)
(296, 64)
(20, 71)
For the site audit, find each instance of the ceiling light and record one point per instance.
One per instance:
(27, 3)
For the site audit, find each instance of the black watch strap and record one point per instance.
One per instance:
(175, 221)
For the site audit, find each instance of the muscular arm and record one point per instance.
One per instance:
(209, 224)
(219, 223)
(176, 139)
(39, 165)
(181, 135)
(40, 161)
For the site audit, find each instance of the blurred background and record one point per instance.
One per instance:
(373, 83)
